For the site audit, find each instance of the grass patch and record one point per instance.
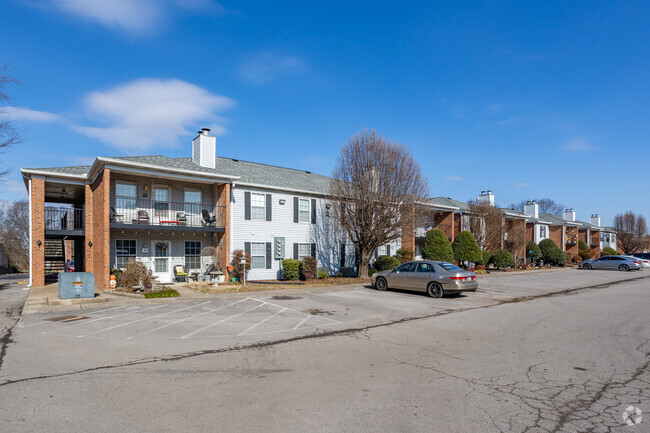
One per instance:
(166, 293)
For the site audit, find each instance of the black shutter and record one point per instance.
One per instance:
(247, 205)
(268, 207)
(313, 211)
(342, 255)
(313, 250)
(269, 259)
(388, 250)
(295, 251)
(356, 256)
(295, 209)
(376, 252)
(247, 247)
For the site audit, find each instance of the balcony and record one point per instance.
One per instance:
(571, 240)
(178, 216)
(64, 221)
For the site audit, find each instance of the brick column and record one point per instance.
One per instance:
(88, 227)
(37, 214)
(98, 229)
(408, 229)
(445, 222)
(223, 215)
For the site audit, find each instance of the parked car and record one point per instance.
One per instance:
(644, 257)
(69, 266)
(428, 276)
(645, 263)
(621, 263)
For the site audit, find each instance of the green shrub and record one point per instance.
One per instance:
(384, 263)
(585, 254)
(532, 251)
(290, 269)
(238, 267)
(547, 247)
(436, 247)
(503, 259)
(465, 247)
(372, 272)
(405, 255)
(483, 258)
(582, 245)
(559, 258)
(167, 293)
(323, 273)
(308, 268)
(608, 251)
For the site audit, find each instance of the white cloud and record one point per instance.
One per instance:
(25, 114)
(150, 113)
(578, 145)
(13, 186)
(133, 16)
(522, 184)
(267, 66)
(454, 178)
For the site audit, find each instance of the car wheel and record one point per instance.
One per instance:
(381, 284)
(624, 268)
(586, 266)
(435, 290)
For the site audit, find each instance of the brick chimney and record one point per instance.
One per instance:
(531, 209)
(203, 149)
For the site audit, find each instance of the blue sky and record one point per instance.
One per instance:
(529, 99)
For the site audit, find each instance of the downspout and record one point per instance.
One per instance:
(31, 258)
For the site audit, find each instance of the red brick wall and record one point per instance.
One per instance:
(98, 229)
(555, 234)
(457, 219)
(530, 232)
(408, 229)
(445, 222)
(223, 239)
(38, 232)
(595, 242)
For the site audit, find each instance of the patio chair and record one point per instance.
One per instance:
(208, 220)
(180, 274)
(181, 217)
(115, 217)
(143, 217)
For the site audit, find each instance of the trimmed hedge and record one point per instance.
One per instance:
(532, 251)
(465, 247)
(405, 255)
(308, 268)
(552, 254)
(385, 263)
(436, 247)
(609, 251)
(483, 258)
(290, 269)
(582, 245)
(503, 259)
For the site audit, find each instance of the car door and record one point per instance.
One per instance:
(423, 274)
(601, 263)
(400, 277)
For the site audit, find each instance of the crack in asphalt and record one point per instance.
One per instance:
(6, 339)
(317, 335)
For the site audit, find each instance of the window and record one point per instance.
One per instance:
(304, 250)
(542, 232)
(381, 251)
(192, 255)
(258, 206)
(258, 255)
(425, 267)
(124, 252)
(125, 194)
(304, 211)
(349, 256)
(449, 267)
(406, 267)
(192, 200)
(161, 202)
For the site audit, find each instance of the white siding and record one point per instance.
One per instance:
(538, 232)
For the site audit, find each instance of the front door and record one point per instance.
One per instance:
(161, 204)
(161, 257)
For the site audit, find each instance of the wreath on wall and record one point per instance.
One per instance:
(161, 246)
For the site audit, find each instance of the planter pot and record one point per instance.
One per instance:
(230, 268)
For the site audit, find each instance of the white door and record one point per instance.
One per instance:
(161, 257)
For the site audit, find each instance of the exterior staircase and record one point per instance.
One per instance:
(54, 255)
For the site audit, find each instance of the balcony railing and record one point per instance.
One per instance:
(64, 218)
(571, 240)
(178, 214)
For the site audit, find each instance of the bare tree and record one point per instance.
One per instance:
(487, 225)
(516, 238)
(631, 231)
(546, 205)
(14, 233)
(374, 183)
(8, 133)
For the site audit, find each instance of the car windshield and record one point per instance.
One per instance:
(449, 267)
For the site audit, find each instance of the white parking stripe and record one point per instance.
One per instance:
(119, 325)
(110, 317)
(302, 322)
(92, 313)
(250, 328)
(221, 321)
(185, 318)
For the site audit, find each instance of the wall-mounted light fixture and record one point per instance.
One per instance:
(90, 243)
(39, 243)
(282, 201)
(328, 206)
(146, 187)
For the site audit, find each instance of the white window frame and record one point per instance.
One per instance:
(192, 208)
(255, 254)
(122, 202)
(192, 255)
(134, 256)
(260, 209)
(300, 211)
(165, 215)
(350, 253)
(303, 245)
(382, 250)
(543, 232)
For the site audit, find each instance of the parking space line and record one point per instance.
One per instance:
(119, 325)
(250, 328)
(93, 312)
(222, 321)
(302, 322)
(115, 315)
(186, 318)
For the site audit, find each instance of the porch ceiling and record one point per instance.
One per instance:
(164, 228)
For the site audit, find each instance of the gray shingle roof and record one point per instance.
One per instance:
(446, 201)
(76, 170)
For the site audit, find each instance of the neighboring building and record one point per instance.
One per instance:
(4, 260)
